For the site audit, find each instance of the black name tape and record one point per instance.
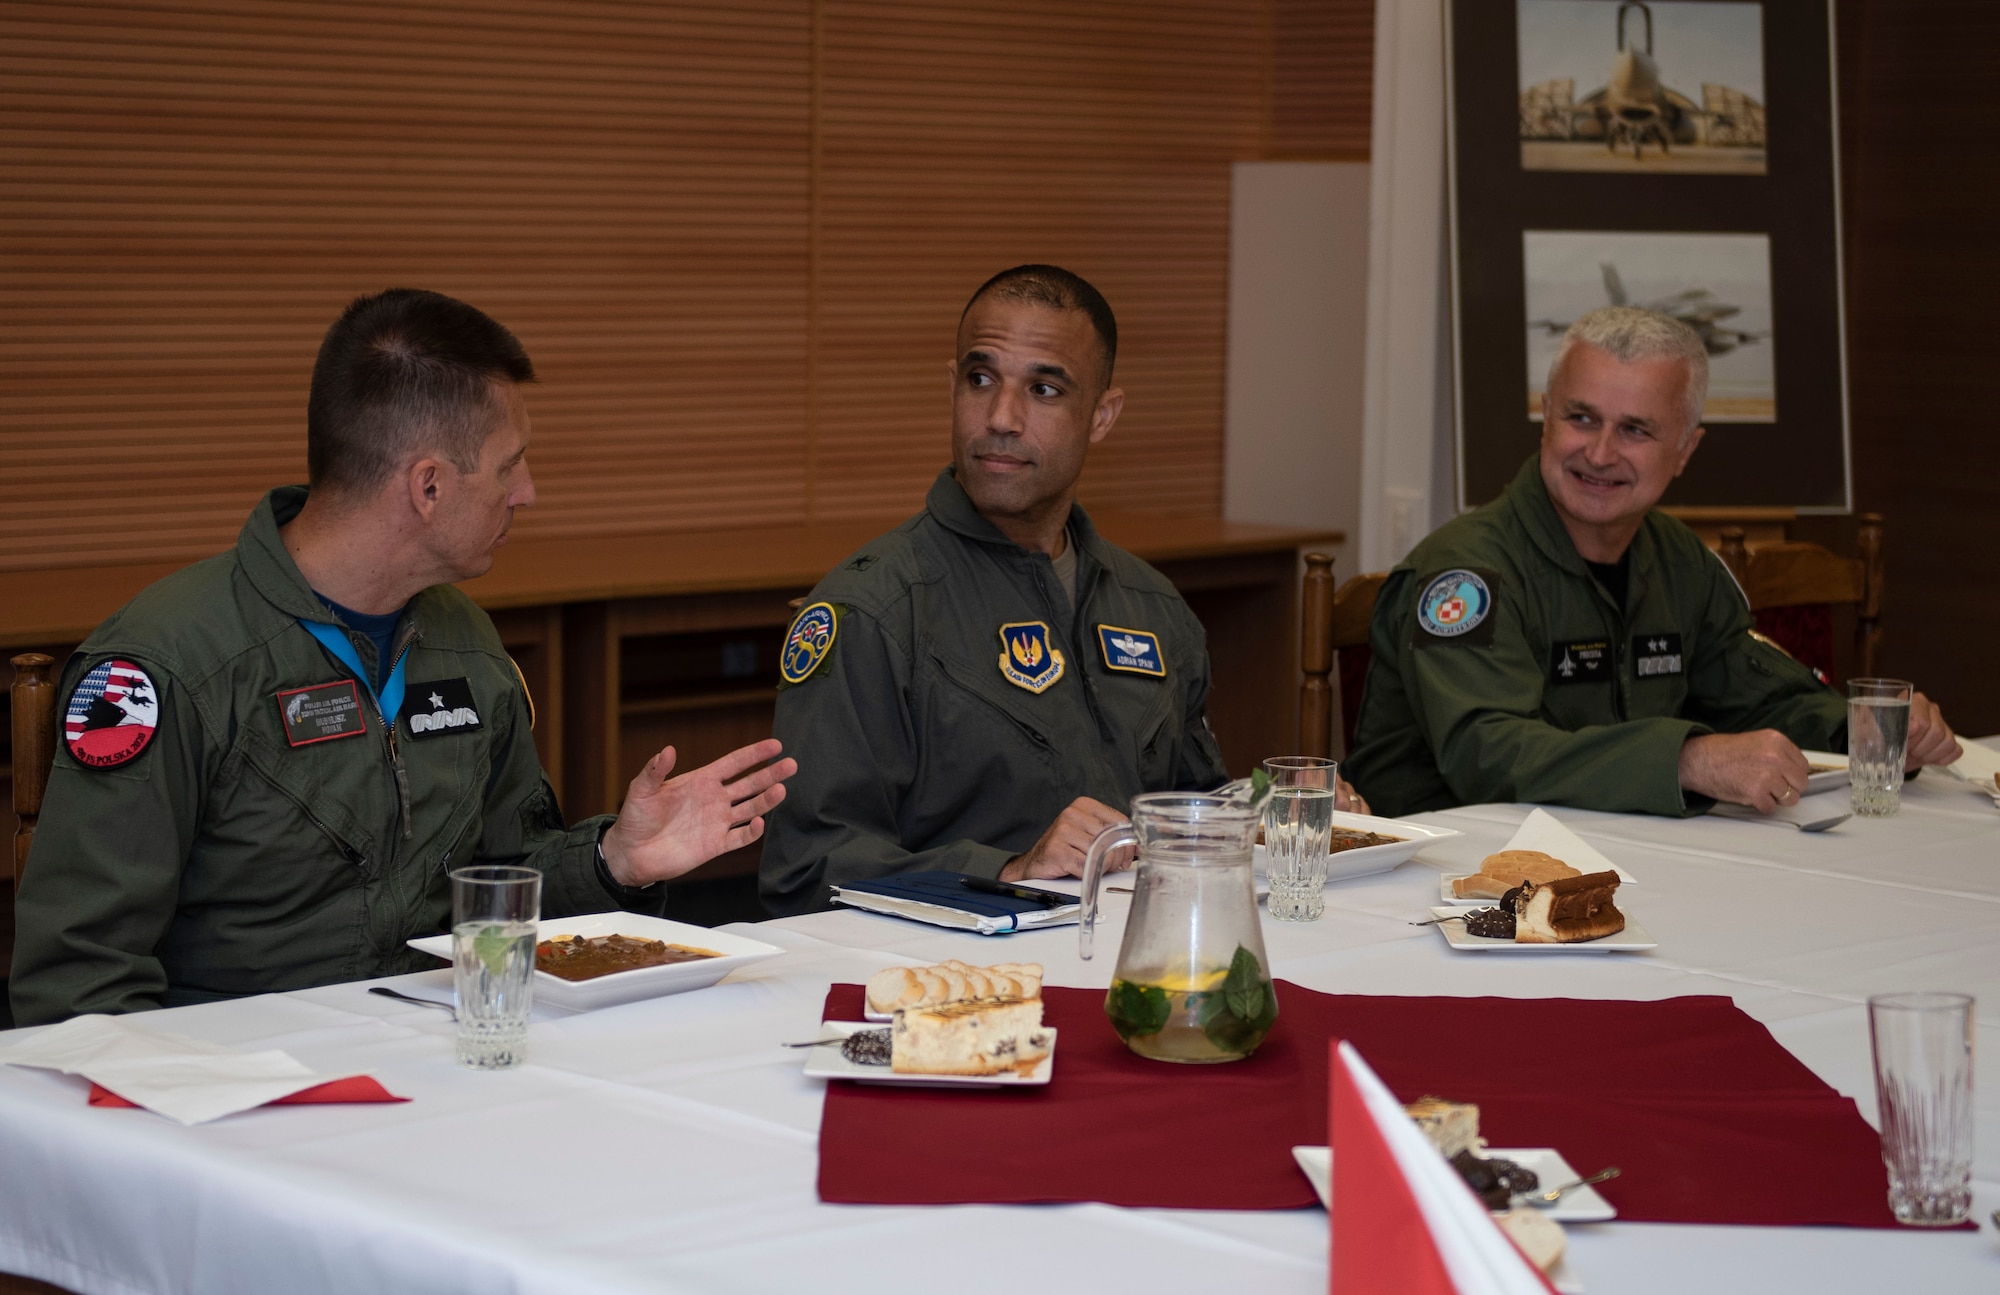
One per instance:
(322, 712)
(1580, 661)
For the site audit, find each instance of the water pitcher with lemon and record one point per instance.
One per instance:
(1193, 983)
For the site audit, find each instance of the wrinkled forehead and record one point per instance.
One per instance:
(1029, 335)
(1652, 391)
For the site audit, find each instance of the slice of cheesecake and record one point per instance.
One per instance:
(1452, 1127)
(1568, 911)
(980, 1036)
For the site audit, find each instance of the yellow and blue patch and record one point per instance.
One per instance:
(1027, 658)
(1132, 651)
(808, 642)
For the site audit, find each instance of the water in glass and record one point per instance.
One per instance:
(493, 965)
(1298, 828)
(1878, 732)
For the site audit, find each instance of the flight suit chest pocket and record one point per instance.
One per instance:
(976, 721)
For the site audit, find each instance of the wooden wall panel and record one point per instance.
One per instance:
(735, 238)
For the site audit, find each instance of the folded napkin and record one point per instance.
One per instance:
(1544, 831)
(1978, 766)
(183, 1079)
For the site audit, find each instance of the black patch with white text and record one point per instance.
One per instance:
(322, 712)
(1656, 654)
(1580, 661)
(439, 707)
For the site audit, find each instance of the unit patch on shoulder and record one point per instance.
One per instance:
(1656, 654)
(807, 643)
(1027, 658)
(1454, 603)
(1132, 651)
(322, 712)
(439, 707)
(1580, 661)
(112, 715)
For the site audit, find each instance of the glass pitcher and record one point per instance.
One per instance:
(1193, 983)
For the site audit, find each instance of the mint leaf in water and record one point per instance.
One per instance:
(1236, 1016)
(1243, 988)
(1137, 1010)
(490, 946)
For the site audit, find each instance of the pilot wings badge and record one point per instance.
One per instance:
(1027, 658)
(1131, 651)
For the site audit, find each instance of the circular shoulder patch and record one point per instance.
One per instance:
(810, 639)
(112, 714)
(1453, 604)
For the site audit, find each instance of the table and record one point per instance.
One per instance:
(683, 1139)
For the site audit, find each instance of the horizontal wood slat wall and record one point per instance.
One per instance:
(734, 237)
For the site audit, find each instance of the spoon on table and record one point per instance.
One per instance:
(1433, 921)
(387, 992)
(1553, 1194)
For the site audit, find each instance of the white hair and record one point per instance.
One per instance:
(1628, 334)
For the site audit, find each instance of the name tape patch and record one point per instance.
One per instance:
(1131, 651)
(1454, 604)
(809, 640)
(439, 707)
(1027, 658)
(322, 712)
(1656, 654)
(1580, 661)
(112, 715)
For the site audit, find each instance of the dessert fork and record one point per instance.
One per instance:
(1555, 1193)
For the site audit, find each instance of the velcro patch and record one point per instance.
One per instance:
(322, 712)
(1132, 651)
(1580, 661)
(807, 642)
(439, 707)
(1656, 654)
(112, 715)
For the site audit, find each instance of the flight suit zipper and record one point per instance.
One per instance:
(396, 766)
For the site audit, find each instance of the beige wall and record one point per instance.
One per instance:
(1298, 280)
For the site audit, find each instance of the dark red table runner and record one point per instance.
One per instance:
(1711, 1120)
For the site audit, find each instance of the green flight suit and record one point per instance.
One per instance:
(916, 751)
(225, 860)
(1553, 693)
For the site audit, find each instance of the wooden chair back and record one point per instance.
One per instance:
(1334, 654)
(34, 709)
(1793, 587)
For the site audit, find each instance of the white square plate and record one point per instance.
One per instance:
(1835, 775)
(826, 1062)
(1370, 859)
(1630, 940)
(641, 982)
(1317, 1165)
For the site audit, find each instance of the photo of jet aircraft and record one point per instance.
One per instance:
(1698, 308)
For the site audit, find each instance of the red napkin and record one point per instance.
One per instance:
(1711, 1120)
(1380, 1240)
(355, 1088)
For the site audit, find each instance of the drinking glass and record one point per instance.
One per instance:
(1923, 1087)
(1298, 826)
(1878, 736)
(493, 914)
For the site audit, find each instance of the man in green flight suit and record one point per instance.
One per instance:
(271, 758)
(985, 688)
(1567, 644)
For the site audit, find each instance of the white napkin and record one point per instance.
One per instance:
(1544, 831)
(180, 1078)
(1977, 766)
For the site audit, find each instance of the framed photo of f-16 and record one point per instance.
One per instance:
(1674, 154)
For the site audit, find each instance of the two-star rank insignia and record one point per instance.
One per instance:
(1027, 658)
(439, 707)
(1131, 651)
(1656, 654)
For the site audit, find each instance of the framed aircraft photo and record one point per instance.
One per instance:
(1673, 154)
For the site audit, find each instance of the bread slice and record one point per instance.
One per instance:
(1452, 1127)
(1539, 1237)
(1500, 873)
(1568, 911)
(983, 1036)
(894, 988)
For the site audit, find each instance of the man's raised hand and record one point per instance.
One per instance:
(670, 825)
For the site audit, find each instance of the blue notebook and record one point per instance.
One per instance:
(941, 899)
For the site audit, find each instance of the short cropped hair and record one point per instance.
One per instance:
(1059, 289)
(400, 373)
(1627, 334)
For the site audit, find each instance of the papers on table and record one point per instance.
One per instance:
(1978, 766)
(1544, 831)
(183, 1079)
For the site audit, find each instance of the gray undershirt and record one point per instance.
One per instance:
(1066, 568)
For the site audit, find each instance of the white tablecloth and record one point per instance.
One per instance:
(670, 1145)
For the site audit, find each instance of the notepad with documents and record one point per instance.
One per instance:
(943, 899)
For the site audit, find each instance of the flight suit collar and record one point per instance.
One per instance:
(952, 507)
(261, 551)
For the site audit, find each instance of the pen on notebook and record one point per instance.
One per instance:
(1046, 898)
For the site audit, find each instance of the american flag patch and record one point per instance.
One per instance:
(112, 715)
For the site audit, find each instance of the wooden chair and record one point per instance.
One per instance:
(34, 703)
(1335, 654)
(1793, 588)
